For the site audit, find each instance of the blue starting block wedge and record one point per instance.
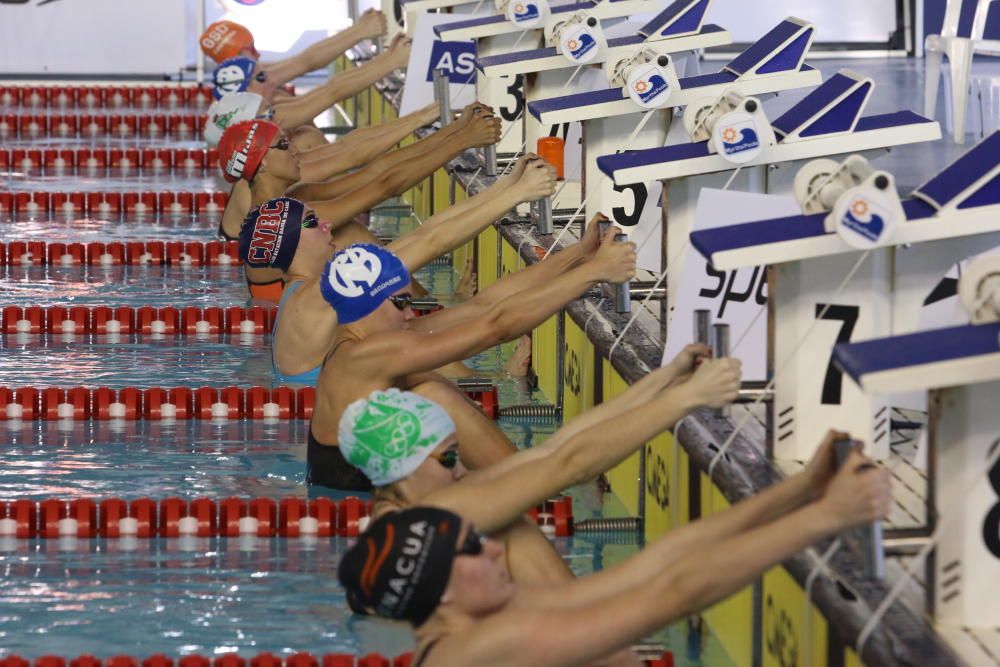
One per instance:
(926, 360)
(678, 28)
(426, 5)
(491, 26)
(962, 200)
(826, 122)
(765, 67)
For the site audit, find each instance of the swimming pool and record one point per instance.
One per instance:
(208, 596)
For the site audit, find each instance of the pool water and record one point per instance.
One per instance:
(209, 596)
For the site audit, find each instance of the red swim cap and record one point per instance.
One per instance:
(243, 147)
(224, 39)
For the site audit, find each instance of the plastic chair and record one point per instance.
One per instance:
(959, 48)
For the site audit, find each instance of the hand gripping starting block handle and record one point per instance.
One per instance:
(443, 95)
(865, 541)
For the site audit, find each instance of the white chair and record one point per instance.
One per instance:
(959, 48)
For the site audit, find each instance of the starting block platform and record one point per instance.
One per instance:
(678, 28)
(826, 122)
(493, 26)
(961, 200)
(954, 356)
(773, 63)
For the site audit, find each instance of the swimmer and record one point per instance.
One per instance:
(430, 567)
(380, 344)
(305, 327)
(406, 444)
(224, 40)
(256, 152)
(295, 113)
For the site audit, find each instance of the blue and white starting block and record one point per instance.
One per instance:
(913, 243)
(960, 366)
(774, 63)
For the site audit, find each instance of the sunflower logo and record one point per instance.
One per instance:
(859, 207)
(572, 44)
(519, 8)
(729, 135)
(641, 86)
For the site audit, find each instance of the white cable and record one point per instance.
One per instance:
(810, 580)
(770, 385)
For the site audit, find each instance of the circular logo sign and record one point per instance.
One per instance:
(525, 13)
(250, 3)
(737, 138)
(864, 218)
(648, 87)
(579, 44)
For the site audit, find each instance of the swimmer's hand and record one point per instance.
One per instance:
(482, 130)
(522, 162)
(715, 384)
(683, 366)
(614, 261)
(372, 24)
(823, 466)
(428, 114)
(399, 50)
(859, 493)
(537, 181)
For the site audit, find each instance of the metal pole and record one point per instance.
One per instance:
(199, 62)
(623, 295)
(442, 95)
(720, 350)
(543, 217)
(490, 158)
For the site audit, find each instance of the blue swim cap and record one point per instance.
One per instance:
(270, 233)
(232, 76)
(360, 278)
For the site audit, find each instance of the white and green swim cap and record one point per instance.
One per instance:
(390, 433)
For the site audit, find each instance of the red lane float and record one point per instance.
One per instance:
(96, 125)
(156, 253)
(255, 320)
(98, 203)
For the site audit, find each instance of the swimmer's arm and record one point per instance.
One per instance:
(429, 155)
(301, 110)
(239, 204)
(707, 534)
(526, 480)
(295, 339)
(361, 146)
(323, 52)
(445, 231)
(580, 631)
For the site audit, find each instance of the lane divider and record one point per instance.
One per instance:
(115, 253)
(87, 161)
(142, 320)
(101, 125)
(157, 403)
(235, 660)
(173, 517)
(98, 97)
(108, 203)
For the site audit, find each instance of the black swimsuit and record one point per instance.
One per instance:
(326, 466)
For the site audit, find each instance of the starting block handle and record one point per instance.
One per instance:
(443, 95)
(623, 295)
(865, 541)
(490, 160)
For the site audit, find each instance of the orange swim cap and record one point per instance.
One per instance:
(224, 39)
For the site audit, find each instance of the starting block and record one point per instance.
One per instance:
(678, 28)
(960, 366)
(774, 63)
(850, 208)
(726, 135)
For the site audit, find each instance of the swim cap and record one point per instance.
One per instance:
(243, 146)
(400, 566)
(270, 233)
(360, 278)
(225, 39)
(232, 76)
(231, 109)
(390, 433)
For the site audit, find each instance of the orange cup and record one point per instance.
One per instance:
(552, 150)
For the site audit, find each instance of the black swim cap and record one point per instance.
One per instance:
(400, 566)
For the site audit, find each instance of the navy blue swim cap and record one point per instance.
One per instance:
(360, 278)
(270, 233)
